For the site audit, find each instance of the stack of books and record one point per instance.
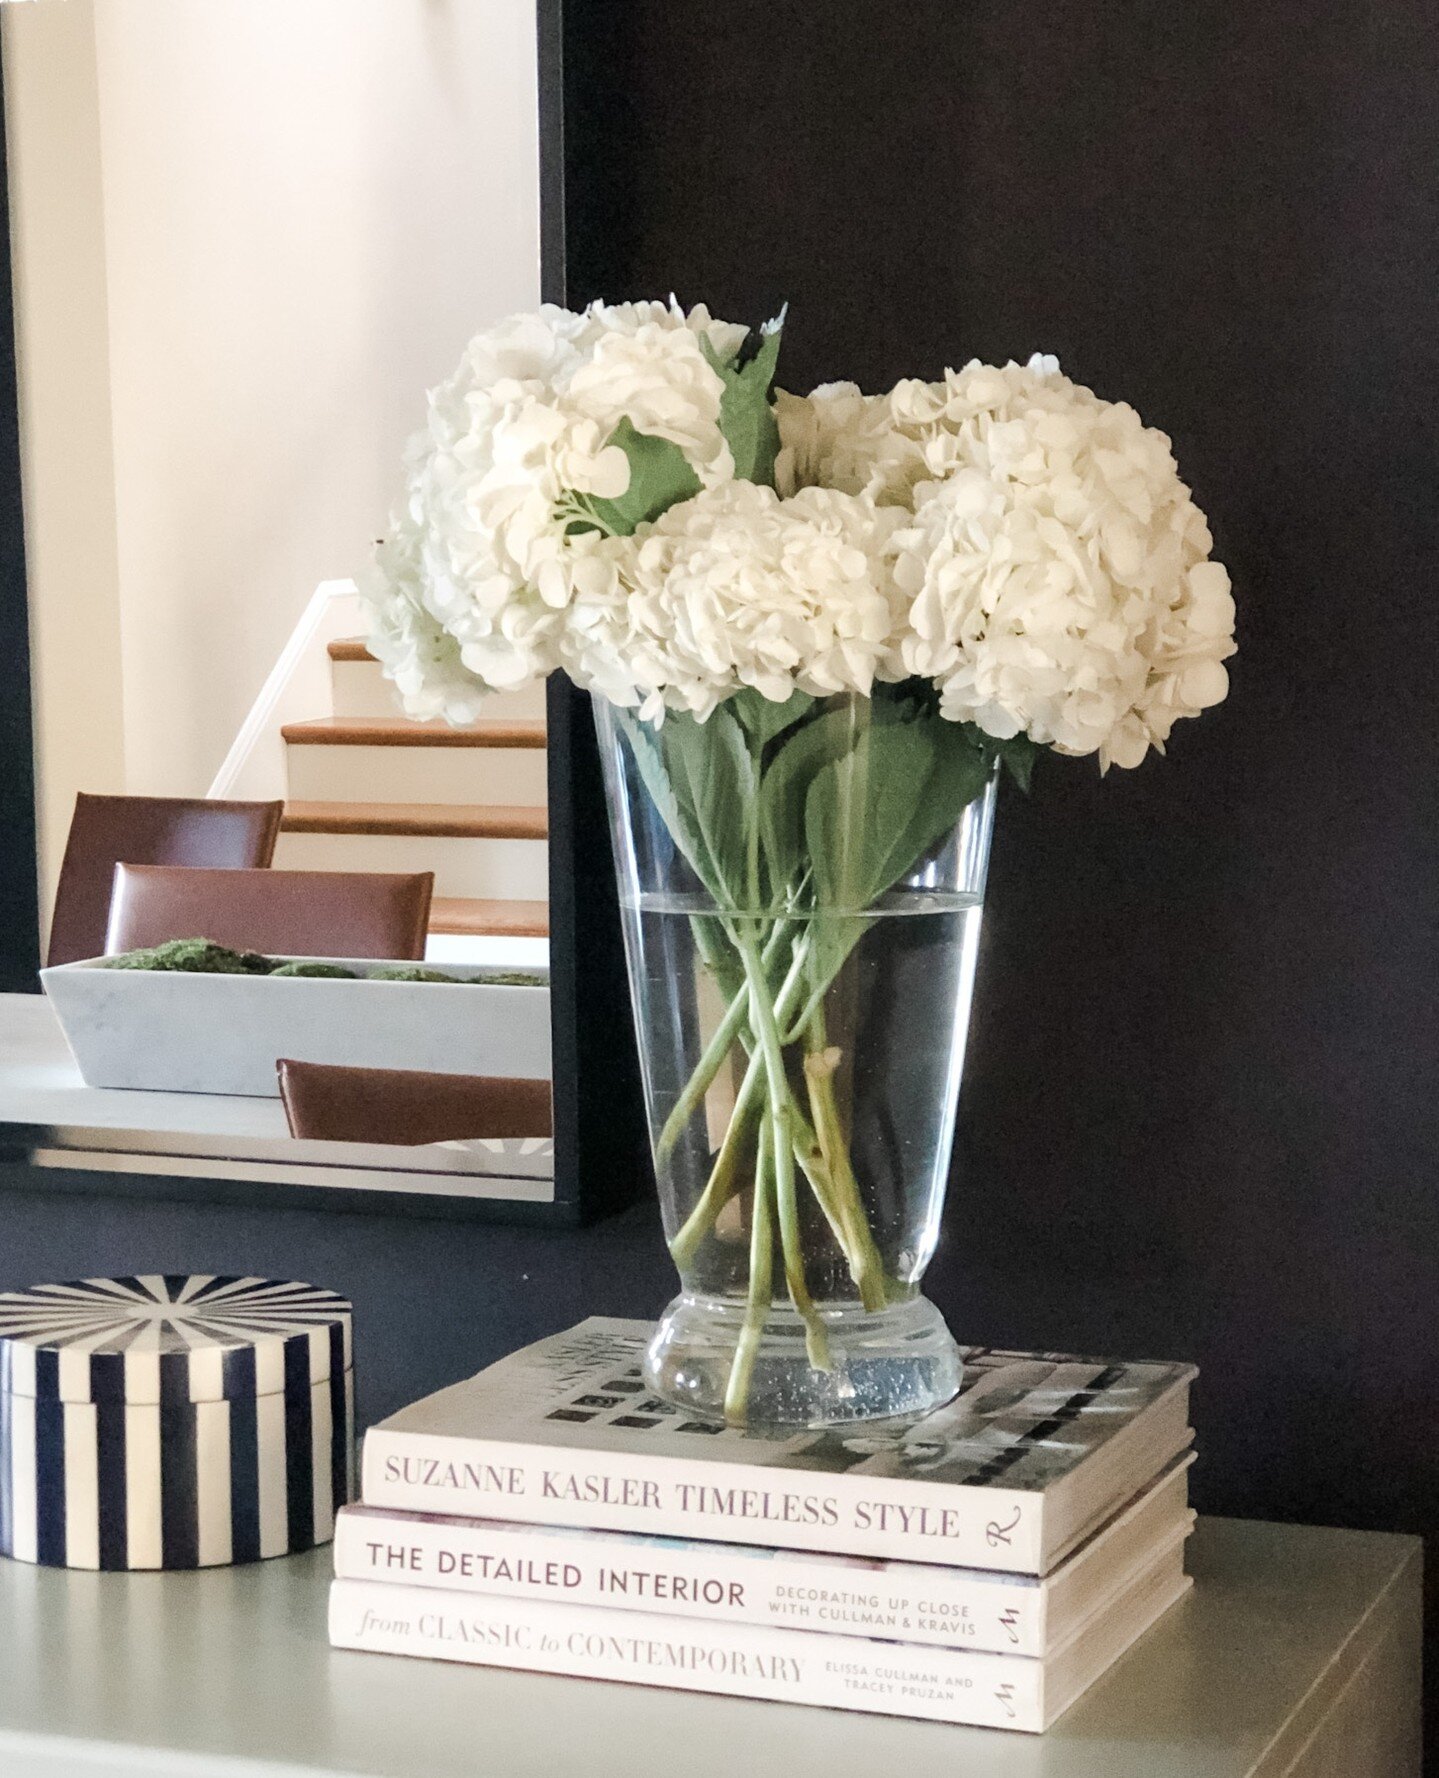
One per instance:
(984, 1564)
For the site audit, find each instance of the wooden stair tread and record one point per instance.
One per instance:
(350, 648)
(480, 821)
(396, 731)
(457, 915)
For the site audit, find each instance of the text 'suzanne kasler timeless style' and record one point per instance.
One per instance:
(819, 630)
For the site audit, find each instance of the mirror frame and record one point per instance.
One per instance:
(19, 885)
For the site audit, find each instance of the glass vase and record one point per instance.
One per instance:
(801, 887)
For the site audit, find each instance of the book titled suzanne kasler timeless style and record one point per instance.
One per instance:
(1034, 1455)
(915, 1602)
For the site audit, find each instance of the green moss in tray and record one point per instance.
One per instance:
(202, 956)
(412, 972)
(192, 956)
(408, 972)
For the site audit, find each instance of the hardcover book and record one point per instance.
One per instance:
(742, 1583)
(755, 1661)
(1034, 1454)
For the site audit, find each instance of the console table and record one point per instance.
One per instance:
(1296, 1654)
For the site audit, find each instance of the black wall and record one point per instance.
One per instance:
(1200, 1113)
(1199, 1119)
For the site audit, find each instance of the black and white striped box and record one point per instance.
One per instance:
(172, 1421)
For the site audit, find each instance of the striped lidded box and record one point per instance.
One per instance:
(172, 1421)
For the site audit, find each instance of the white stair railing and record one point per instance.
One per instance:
(297, 689)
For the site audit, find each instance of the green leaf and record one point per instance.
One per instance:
(854, 794)
(660, 477)
(959, 774)
(859, 809)
(1016, 756)
(873, 813)
(644, 745)
(762, 719)
(712, 776)
(784, 785)
(747, 418)
(701, 779)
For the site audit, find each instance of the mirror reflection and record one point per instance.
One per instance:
(289, 934)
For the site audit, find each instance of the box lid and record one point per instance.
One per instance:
(170, 1338)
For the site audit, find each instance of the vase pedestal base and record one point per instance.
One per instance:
(899, 1361)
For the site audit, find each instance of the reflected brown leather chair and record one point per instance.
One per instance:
(406, 1107)
(108, 830)
(289, 913)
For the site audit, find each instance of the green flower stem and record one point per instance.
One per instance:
(761, 1286)
(699, 1083)
(809, 1157)
(786, 1138)
(845, 1218)
(795, 1029)
(723, 1181)
(766, 1030)
(716, 1051)
(816, 1337)
(824, 1154)
(719, 1045)
(719, 1188)
(865, 1265)
(714, 955)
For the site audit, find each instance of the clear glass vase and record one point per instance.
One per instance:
(801, 887)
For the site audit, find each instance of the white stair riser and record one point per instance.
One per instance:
(489, 870)
(360, 689)
(326, 774)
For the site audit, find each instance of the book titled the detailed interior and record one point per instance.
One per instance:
(743, 1583)
(1035, 1453)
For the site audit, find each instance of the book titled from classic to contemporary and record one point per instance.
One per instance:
(756, 1661)
(742, 1583)
(1035, 1453)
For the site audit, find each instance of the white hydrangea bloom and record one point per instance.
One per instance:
(1027, 547)
(420, 657)
(737, 588)
(1056, 565)
(830, 438)
(479, 552)
(660, 381)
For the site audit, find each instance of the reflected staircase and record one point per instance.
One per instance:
(368, 789)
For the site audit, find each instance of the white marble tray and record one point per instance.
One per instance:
(224, 1033)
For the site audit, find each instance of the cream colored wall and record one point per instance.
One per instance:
(62, 340)
(308, 207)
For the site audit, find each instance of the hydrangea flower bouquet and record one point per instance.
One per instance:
(818, 630)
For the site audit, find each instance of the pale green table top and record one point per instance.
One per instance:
(227, 1674)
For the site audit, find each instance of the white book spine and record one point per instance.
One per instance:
(736, 1660)
(860, 1514)
(833, 1595)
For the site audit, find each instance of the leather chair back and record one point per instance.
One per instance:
(109, 830)
(406, 1107)
(288, 913)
